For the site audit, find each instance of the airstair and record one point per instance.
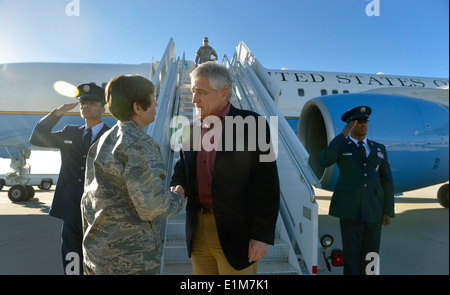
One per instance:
(296, 249)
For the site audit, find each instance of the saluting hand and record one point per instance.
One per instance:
(65, 108)
(179, 190)
(347, 129)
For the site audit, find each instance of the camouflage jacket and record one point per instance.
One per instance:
(124, 201)
(204, 54)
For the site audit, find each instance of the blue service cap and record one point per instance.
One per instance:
(91, 92)
(361, 112)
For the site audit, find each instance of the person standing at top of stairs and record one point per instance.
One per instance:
(204, 53)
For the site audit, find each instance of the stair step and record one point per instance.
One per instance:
(271, 268)
(264, 268)
(177, 269)
(186, 114)
(175, 251)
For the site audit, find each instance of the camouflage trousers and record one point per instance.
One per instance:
(153, 271)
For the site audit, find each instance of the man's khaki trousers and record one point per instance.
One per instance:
(207, 256)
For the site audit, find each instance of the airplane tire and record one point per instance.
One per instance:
(30, 191)
(442, 195)
(18, 193)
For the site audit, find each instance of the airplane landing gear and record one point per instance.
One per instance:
(17, 193)
(20, 193)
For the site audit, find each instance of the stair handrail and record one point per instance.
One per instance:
(300, 219)
(267, 81)
(160, 74)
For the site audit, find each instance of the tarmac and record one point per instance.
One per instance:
(415, 243)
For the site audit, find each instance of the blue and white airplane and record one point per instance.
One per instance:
(410, 114)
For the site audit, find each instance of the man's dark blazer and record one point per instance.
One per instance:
(245, 195)
(364, 190)
(70, 185)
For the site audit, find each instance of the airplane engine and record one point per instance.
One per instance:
(414, 131)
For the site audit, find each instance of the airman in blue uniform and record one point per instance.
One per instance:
(363, 198)
(73, 143)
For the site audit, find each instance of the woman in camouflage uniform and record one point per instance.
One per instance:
(125, 198)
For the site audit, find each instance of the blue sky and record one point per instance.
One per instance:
(409, 37)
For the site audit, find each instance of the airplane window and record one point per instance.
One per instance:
(345, 91)
(323, 92)
(301, 92)
(334, 91)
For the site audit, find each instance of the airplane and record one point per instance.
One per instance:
(28, 93)
(298, 87)
(410, 117)
(410, 114)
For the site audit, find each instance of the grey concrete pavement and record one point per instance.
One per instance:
(415, 243)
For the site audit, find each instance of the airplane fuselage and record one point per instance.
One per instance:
(27, 90)
(298, 87)
(27, 94)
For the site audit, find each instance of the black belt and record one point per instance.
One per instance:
(205, 209)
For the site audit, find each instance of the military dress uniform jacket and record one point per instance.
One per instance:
(245, 195)
(70, 185)
(364, 190)
(124, 201)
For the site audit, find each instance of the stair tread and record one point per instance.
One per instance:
(264, 268)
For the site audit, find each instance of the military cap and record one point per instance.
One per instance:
(362, 112)
(91, 92)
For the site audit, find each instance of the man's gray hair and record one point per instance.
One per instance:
(218, 76)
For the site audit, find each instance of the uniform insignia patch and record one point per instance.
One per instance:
(86, 88)
(380, 155)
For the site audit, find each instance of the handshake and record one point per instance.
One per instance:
(179, 190)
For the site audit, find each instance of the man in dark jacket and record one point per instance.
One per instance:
(73, 143)
(233, 195)
(363, 198)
